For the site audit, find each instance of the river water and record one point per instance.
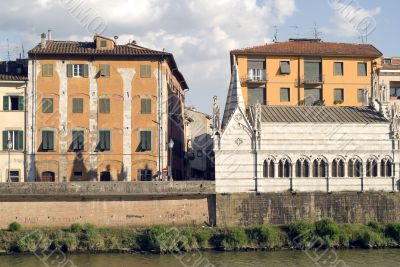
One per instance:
(350, 258)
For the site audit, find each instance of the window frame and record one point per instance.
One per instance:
(280, 67)
(107, 107)
(76, 130)
(42, 131)
(10, 176)
(14, 136)
(79, 68)
(288, 94)
(140, 141)
(148, 110)
(146, 173)
(73, 105)
(109, 141)
(358, 69)
(342, 68)
(47, 100)
(8, 105)
(341, 90)
(145, 71)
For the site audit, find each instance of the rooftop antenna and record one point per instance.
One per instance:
(8, 50)
(276, 28)
(23, 50)
(296, 28)
(317, 34)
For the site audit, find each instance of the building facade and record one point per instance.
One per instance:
(389, 80)
(307, 72)
(13, 82)
(327, 147)
(100, 111)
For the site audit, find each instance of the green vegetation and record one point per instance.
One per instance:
(165, 239)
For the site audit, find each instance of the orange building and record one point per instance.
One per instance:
(100, 111)
(307, 72)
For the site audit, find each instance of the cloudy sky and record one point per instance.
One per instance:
(200, 33)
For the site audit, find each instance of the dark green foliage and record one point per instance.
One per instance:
(234, 238)
(366, 238)
(301, 233)
(328, 231)
(76, 228)
(393, 231)
(14, 227)
(264, 236)
(203, 237)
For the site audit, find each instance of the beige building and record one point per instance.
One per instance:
(12, 116)
(389, 80)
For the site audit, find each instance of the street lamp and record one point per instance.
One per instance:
(9, 147)
(170, 146)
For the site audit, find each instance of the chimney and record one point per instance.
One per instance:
(49, 35)
(43, 40)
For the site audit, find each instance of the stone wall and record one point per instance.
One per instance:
(280, 208)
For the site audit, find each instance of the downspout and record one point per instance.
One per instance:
(25, 128)
(255, 160)
(298, 81)
(159, 121)
(33, 130)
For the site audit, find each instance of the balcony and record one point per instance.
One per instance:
(312, 79)
(255, 76)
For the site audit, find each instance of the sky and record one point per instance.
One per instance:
(200, 33)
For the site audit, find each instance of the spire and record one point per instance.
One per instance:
(235, 96)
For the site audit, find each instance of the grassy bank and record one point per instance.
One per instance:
(297, 235)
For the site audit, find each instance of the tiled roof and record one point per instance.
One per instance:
(321, 114)
(312, 47)
(390, 67)
(88, 48)
(12, 78)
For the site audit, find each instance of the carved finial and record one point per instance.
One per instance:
(216, 115)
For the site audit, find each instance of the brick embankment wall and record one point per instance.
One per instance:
(273, 208)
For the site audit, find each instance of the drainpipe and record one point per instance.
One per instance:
(298, 81)
(255, 160)
(25, 128)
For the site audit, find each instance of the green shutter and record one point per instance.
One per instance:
(44, 140)
(104, 105)
(142, 106)
(20, 140)
(20, 103)
(85, 70)
(5, 140)
(80, 105)
(47, 70)
(338, 68)
(6, 100)
(107, 140)
(362, 69)
(145, 71)
(69, 70)
(105, 70)
(77, 105)
(51, 140)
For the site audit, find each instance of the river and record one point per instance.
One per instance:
(351, 258)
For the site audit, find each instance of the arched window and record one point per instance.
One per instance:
(48, 177)
(319, 168)
(284, 168)
(372, 168)
(338, 168)
(354, 168)
(302, 168)
(386, 167)
(269, 168)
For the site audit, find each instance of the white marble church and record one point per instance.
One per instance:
(304, 148)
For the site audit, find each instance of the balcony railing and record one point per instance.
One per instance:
(255, 76)
(313, 79)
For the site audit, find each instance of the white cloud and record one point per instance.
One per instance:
(199, 33)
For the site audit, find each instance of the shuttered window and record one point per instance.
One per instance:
(256, 64)
(47, 105)
(360, 96)
(338, 69)
(285, 67)
(104, 104)
(312, 71)
(145, 141)
(47, 70)
(78, 140)
(105, 70)
(362, 69)
(16, 138)
(145, 106)
(145, 71)
(104, 140)
(47, 140)
(256, 95)
(13, 103)
(78, 70)
(103, 43)
(285, 94)
(339, 95)
(77, 105)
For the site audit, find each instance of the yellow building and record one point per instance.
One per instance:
(307, 72)
(103, 112)
(12, 117)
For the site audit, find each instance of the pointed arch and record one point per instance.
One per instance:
(284, 167)
(320, 167)
(303, 167)
(269, 167)
(386, 167)
(338, 167)
(372, 167)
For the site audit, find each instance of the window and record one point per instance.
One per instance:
(386, 167)
(47, 140)
(284, 168)
(354, 168)
(387, 61)
(338, 96)
(145, 71)
(77, 70)
(104, 105)
(319, 168)
(78, 140)
(105, 70)
(48, 177)
(312, 96)
(285, 67)
(362, 69)
(145, 141)
(372, 168)
(145, 175)
(285, 94)
(338, 69)
(13, 103)
(338, 168)
(313, 71)
(105, 140)
(145, 105)
(47, 70)
(256, 95)
(77, 105)
(78, 174)
(394, 93)
(361, 96)
(47, 105)
(256, 70)
(302, 168)
(269, 168)
(103, 43)
(14, 176)
(16, 138)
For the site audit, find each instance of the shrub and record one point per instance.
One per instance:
(76, 228)
(328, 230)
(33, 241)
(234, 238)
(393, 231)
(14, 227)
(375, 226)
(91, 239)
(366, 238)
(69, 243)
(203, 237)
(264, 235)
(301, 233)
(160, 238)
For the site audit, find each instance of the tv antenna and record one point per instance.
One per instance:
(276, 28)
(8, 50)
(317, 34)
(296, 28)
